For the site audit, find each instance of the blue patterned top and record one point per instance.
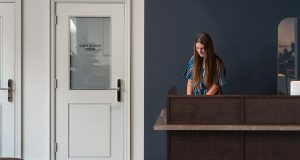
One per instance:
(201, 89)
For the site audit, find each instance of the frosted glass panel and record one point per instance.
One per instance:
(90, 60)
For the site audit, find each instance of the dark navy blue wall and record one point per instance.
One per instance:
(245, 37)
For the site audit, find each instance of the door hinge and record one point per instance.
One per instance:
(55, 83)
(55, 19)
(55, 147)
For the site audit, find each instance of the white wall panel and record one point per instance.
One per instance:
(36, 65)
(137, 80)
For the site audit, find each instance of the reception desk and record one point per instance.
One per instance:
(231, 127)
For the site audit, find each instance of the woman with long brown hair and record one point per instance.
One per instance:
(205, 71)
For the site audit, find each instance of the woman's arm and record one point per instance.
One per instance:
(213, 90)
(189, 87)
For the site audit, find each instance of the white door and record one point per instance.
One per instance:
(7, 69)
(90, 56)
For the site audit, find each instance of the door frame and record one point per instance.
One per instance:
(127, 74)
(18, 77)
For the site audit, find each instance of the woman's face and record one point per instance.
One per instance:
(200, 49)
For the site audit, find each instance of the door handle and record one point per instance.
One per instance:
(118, 90)
(9, 90)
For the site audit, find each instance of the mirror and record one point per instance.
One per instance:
(287, 55)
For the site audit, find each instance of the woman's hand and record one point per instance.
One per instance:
(213, 90)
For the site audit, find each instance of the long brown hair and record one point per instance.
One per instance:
(213, 64)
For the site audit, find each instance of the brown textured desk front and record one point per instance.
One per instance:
(244, 127)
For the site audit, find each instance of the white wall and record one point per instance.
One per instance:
(137, 77)
(36, 79)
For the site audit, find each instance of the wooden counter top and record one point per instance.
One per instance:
(161, 124)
